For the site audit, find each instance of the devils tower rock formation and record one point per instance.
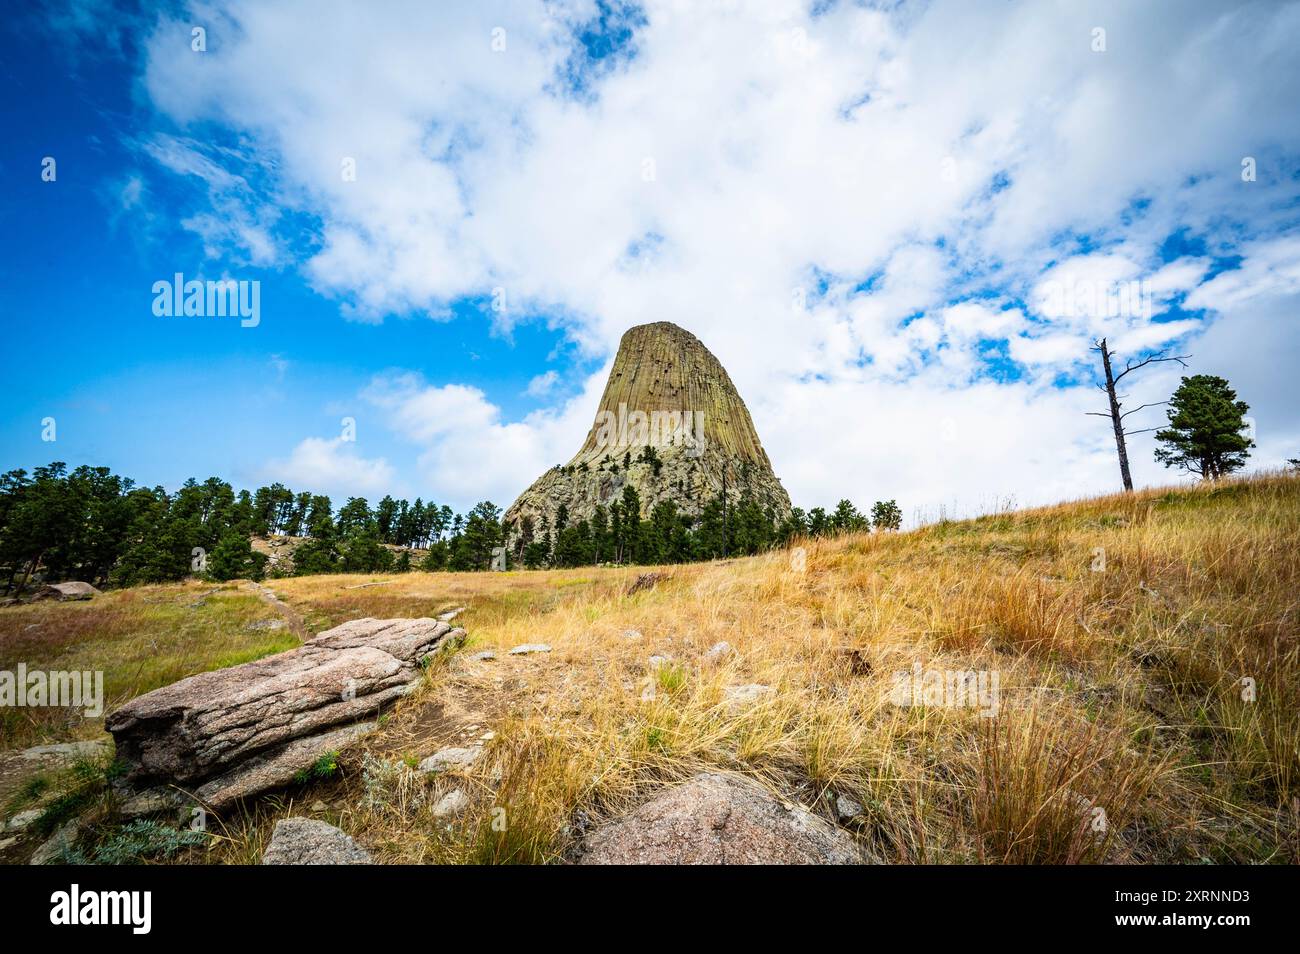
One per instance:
(666, 392)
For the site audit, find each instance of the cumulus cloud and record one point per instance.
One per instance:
(466, 452)
(332, 466)
(860, 208)
(543, 384)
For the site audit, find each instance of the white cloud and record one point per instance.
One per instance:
(938, 151)
(332, 466)
(543, 384)
(466, 453)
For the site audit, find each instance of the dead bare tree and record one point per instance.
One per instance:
(1116, 399)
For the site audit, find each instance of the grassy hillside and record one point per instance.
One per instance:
(1120, 631)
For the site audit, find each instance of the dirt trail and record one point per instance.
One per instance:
(295, 622)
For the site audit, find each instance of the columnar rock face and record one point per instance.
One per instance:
(668, 392)
(234, 732)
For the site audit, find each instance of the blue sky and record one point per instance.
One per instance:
(867, 223)
(161, 399)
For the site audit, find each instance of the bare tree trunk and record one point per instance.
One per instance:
(1120, 445)
(1114, 400)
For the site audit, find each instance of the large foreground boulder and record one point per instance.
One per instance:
(717, 819)
(237, 731)
(306, 841)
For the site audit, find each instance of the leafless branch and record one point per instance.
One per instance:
(1140, 407)
(1154, 359)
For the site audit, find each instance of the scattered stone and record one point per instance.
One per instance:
(59, 846)
(307, 841)
(450, 758)
(525, 648)
(847, 810)
(448, 616)
(319, 806)
(69, 751)
(451, 804)
(486, 655)
(719, 819)
(656, 662)
(73, 591)
(632, 634)
(717, 651)
(487, 736)
(266, 624)
(739, 696)
(150, 802)
(206, 725)
(22, 820)
(7, 843)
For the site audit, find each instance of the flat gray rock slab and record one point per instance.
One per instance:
(66, 750)
(74, 590)
(525, 648)
(277, 767)
(201, 727)
(309, 841)
(719, 819)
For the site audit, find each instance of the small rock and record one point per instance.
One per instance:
(319, 806)
(74, 591)
(738, 696)
(266, 624)
(58, 845)
(847, 809)
(525, 648)
(717, 651)
(306, 841)
(448, 616)
(450, 758)
(22, 820)
(149, 802)
(7, 843)
(719, 819)
(487, 736)
(655, 662)
(451, 804)
(632, 634)
(66, 750)
(486, 655)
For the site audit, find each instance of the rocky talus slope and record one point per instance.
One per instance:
(667, 390)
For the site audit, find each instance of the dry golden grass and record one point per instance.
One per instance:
(1122, 733)
(140, 638)
(1124, 730)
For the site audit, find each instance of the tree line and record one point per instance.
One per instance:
(91, 524)
(726, 526)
